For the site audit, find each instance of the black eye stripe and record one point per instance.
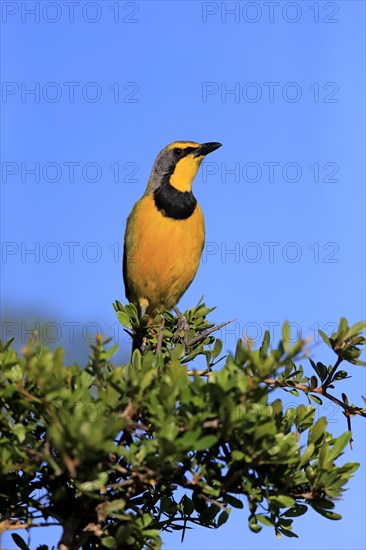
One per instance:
(180, 152)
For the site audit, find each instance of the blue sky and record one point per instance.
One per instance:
(281, 85)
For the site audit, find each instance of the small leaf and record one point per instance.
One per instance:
(317, 430)
(19, 541)
(124, 319)
(265, 344)
(237, 455)
(217, 348)
(5, 347)
(109, 542)
(286, 333)
(355, 330)
(342, 328)
(265, 519)
(111, 351)
(234, 501)
(296, 511)
(308, 453)
(136, 360)
(323, 503)
(315, 398)
(325, 338)
(283, 501)
(19, 431)
(223, 517)
(188, 505)
(253, 525)
(206, 442)
(288, 533)
(313, 383)
(339, 445)
(327, 513)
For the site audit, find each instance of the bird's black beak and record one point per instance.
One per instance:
(207, 148)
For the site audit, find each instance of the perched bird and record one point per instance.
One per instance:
(165, 230)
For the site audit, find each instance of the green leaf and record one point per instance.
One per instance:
(19, 541)
(296, 511)
(136, 360)
(113, 349)
(266, 520)
(19, 431)
(320, 369)
(315, 398)
(339, 445)
(358, 328)
(322, 503)
(151, 533)
(265, 344)
(58, 357)
(283, 501)
(188, 505)
(206, 442)
(234, 501)
(308, 453)
(217, 348)
(237, 455)
(253, 525)
(342, 328)
(124, 319)
(286, 333)
(325, 338)
(210, 513)
(109, 542)
(113, 506)
(287, 532)
(317, 430)
(326, 513)
(223, 517)
(313, 383)
(4, 347)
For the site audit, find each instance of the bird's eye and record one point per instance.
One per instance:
(178, 152)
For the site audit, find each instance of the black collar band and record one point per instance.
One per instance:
(175, 204)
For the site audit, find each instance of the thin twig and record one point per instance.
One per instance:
(202, 336)
(9, 525)
(320, 390)
(205, 372)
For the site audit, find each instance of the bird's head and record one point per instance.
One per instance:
(178, 163)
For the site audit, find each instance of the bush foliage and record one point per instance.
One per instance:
(118, 454)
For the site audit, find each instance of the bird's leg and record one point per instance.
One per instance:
(182, 324)
(144, 304)
(143, 345)
(161, 334)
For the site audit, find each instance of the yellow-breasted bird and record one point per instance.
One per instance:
(165, 230)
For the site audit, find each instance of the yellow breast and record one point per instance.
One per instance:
(162, 254)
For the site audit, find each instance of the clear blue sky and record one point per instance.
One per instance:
(281, 85)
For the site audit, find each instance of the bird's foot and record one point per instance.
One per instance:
(182, 325)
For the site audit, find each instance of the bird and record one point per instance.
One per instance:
(165, 231)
